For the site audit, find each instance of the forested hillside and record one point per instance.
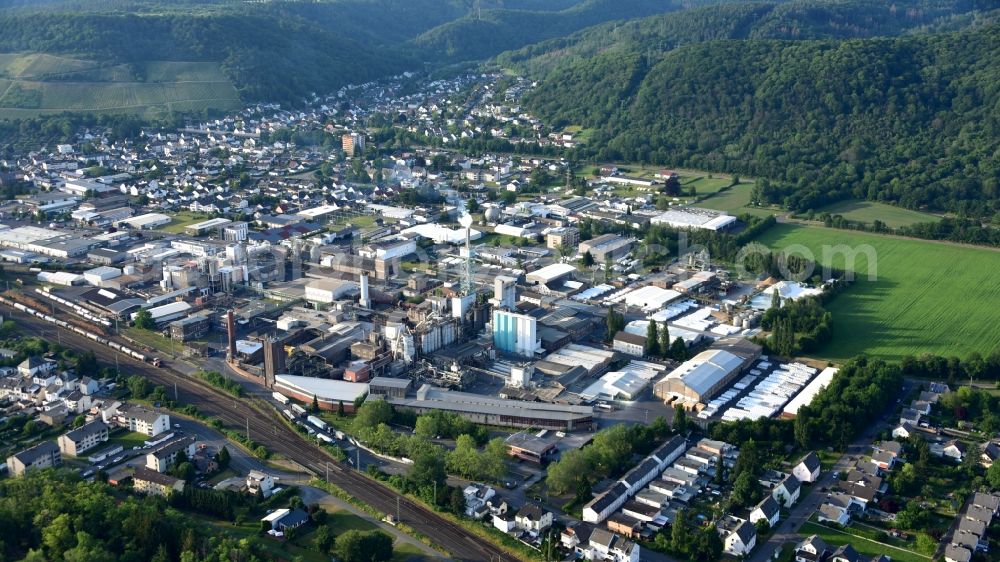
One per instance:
(282, 51)
(910, 120)
(273, 59)
(802, 19)
(485, 33)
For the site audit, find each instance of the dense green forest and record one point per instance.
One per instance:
(801, 19)
(909, 120)
(485, 33)
(53, 515)
(278, 59)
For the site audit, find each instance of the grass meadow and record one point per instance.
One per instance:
(38, 84)
(927, 297)
(870, 211)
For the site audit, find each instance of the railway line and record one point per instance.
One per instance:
(269, 429)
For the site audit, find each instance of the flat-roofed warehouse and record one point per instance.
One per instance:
(690, 217)
(701, 377)
(550, 273)
(329, 393)
(495, 411)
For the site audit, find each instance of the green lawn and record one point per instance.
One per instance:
(129, 440)
(735, 201)
(182, 219)
(704, 185)
(865, 546)
(869, 212)
(927, 298)
(302, 545)
(154, 340)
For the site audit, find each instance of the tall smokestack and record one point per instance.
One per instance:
(231, 330)
(365, 302)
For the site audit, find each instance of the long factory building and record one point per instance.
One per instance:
(494, 411)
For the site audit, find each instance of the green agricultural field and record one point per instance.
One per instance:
(31, 65)
(928, 297)
(735, 201)
(37, 84)
(869, 212)
(704, 185)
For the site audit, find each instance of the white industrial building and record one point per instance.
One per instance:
(550, 273)
(328, 392)
(61, 278)
(99, 275)
(442, 234)
(515, 333)
(388, 250)
(700, 378)
(650, 298)
(167, 312)
(147, 221)
(690, 217)
(806, 395)
(626, 383)
(326, 291)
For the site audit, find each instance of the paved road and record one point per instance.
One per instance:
(787, 529)
(267, 428)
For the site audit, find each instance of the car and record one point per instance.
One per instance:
(177, 426)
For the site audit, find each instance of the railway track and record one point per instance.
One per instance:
(269, 430)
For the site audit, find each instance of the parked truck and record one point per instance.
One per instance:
(318, 423)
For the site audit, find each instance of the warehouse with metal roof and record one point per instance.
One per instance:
(700, 378)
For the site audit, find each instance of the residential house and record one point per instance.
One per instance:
(605, 545)
(259, 482)
(43, 455)
(904, 431)
(83, 438)
(990, 454)
(846, 553)
(143, 420)
(166, 455)
(860, 495)
(987, 501)
(155, 483)
(624, 525)
(572, 538)
(910, 416)
(955, 450)
(283, 519)
(953, 553)
(971, 541)
(811, 549)
(807, 470)
(787, 491)
(533, 519)
(504, 522)
(477, 497)
(739, 536)
(767, 510)
(979, 513)
(832, 513)
(35, 366)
